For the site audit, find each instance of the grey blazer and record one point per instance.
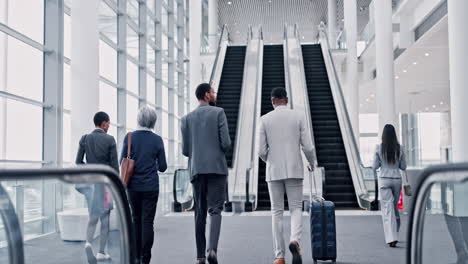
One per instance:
(205, 140)
(388, 170)
(100, 148)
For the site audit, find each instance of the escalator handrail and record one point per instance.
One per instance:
(309, 117)
(418, 205)
(87, 174)
(355, 149)
(287, 72)
(224, 34)
(12, 229)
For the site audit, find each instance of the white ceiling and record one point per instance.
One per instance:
(425, 86)
(273, 14)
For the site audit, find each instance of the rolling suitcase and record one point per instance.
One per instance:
(323, 230)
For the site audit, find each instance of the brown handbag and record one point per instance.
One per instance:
(128, 165)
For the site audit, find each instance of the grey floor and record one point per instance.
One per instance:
(247, 240)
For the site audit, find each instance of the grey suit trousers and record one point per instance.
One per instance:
(209, 194)
(389, 192)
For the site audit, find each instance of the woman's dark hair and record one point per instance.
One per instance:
(390, 145)
(201, 90)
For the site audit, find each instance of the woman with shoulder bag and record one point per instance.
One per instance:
(390, 158)
(145, 150)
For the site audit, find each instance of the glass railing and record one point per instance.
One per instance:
(182, 191)
(438, 225)
(65, 215)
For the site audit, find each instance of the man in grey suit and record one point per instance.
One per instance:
(99, 148)
(205, 141)
(283, 134)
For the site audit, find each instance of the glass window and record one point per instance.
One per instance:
(108, 100)
(107, 61)
(165, 45)
(150, 58)
(132, 43)
(150, 89)
(108, 21)
(132, 10)
(67, 36)
(165, 125)
(67, 155)
(150, 27)
(164, 20)
(24, 139)
(25, 16)
(165, 72)
(132, 77)
(66, 87)
(165, 97)
(22, 60)
(132, 111)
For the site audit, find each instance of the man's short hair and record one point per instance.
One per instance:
(100, 117)
(279, 93)
(202, 89)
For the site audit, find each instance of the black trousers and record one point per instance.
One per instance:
(209, 192)
(143, 211)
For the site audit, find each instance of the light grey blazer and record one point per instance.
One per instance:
(205, 140)
(283, 133)
(388, 170)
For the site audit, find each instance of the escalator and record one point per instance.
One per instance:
(330, 148)
(229, 91)
(273, 76)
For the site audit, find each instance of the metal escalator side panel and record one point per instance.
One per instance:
(242, 165)
(11, 226)
(253, 186)
(352, 152)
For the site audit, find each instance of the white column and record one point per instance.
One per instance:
(332, 23)
(384, 63)
(195, 41)
(84, 68)
(352, 83)
(458, 56)
(213, 22)
(3, 80)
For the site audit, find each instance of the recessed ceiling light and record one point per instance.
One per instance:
(229, 3)
(441, 103)
(414, 63)
(303, 37)
(427, 108)
(427, 54)
(372, 95)
(269, 1)
(367, 100)
(397, 77)
(433, 106)
(405, 71)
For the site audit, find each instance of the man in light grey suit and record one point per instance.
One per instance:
(205, 141)
(283, 132)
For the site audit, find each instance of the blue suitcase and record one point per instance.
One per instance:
(323, 230)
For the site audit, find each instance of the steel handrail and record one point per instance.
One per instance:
(14, 237)
(218, 50)
(287, 72)
(418, 206)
